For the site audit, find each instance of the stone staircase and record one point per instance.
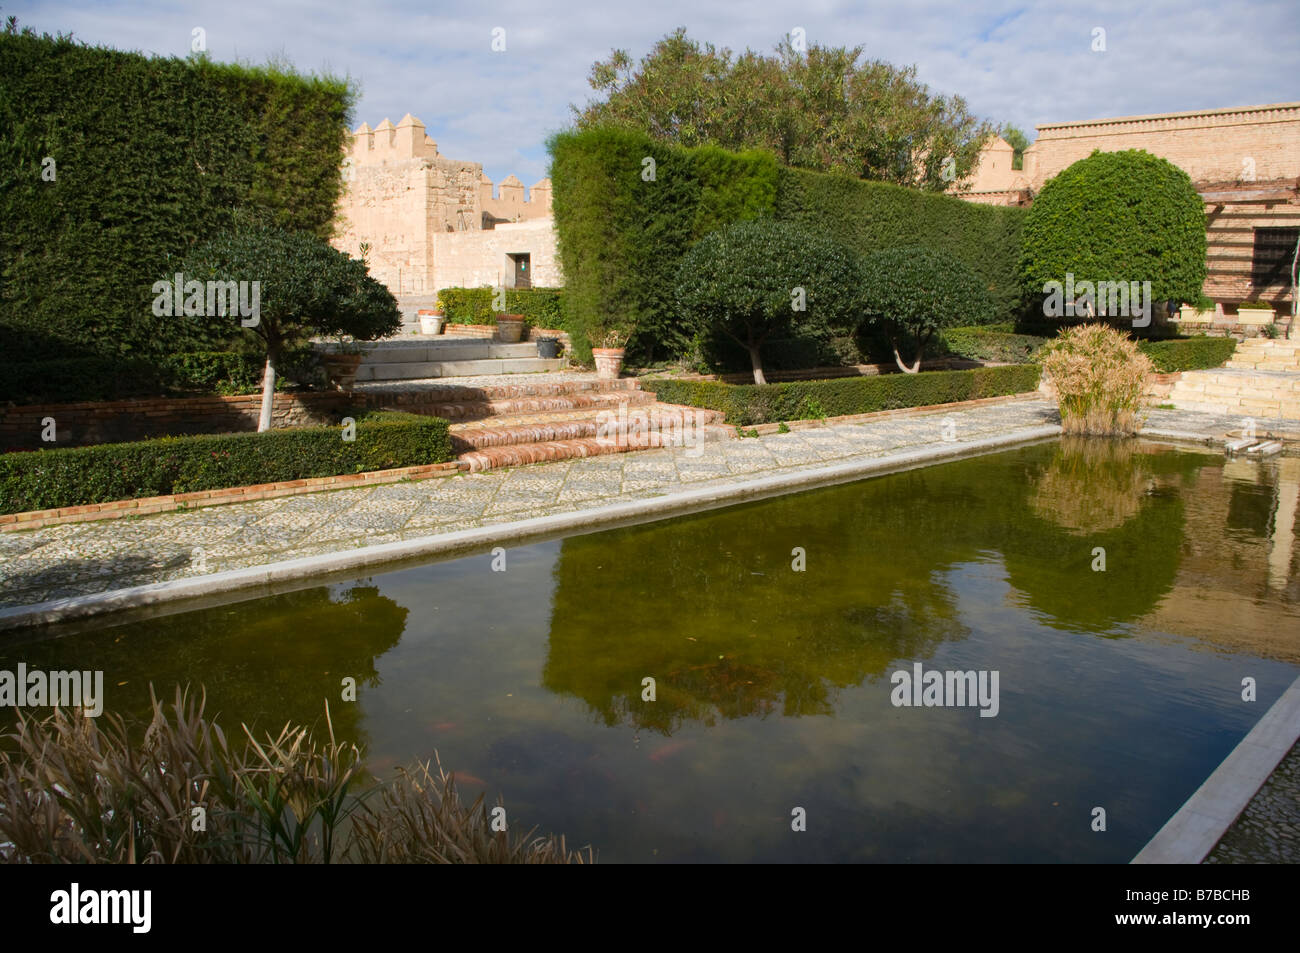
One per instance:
(513, 424)
(1261, 380)
(397, 360)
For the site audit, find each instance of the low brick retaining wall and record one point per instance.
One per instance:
(118, 421)
(35, 519)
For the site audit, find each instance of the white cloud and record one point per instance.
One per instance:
(1023, 63)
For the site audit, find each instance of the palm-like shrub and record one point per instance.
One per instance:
(1098, 375)
(764, 279)
(914, 292)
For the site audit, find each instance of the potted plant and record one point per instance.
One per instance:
(609, 354)
(1254, 312)
(510, 328)
(341, 361)
(548, 348)
(431, 321)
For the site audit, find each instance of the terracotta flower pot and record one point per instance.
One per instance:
(510, 328)
(609, 361)
(342, 369)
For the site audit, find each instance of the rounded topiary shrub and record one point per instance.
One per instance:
(1117, 217)
(914, 292)
(763, 280)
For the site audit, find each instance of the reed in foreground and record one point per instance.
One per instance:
(1098, 376)
(74, 792)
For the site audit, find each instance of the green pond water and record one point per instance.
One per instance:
(1119, 689)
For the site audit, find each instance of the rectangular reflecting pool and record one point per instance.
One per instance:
(1122, 592)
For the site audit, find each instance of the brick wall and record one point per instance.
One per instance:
(90, 423)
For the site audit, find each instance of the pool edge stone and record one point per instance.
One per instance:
(519, 531)
(1195, 828)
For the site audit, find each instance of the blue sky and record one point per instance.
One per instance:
(1023, 63)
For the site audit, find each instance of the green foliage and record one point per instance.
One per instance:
(741, 282)
(917, 291)
(1121, 217)
(1188, 354)
(1018, 141)
(45, 479)
(621, 236)
(868, 217)
(986, 344)
(1255, 306)
(308, 287)
(750, 404)
(541, 307)
(189, 373)
(824, 108)
(151, 155)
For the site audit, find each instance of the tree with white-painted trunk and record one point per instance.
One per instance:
(307, 289)
(758, 280)
(915, 292)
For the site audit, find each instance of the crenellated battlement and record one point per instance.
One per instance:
(404, 200)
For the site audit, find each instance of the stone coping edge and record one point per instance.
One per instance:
(141, 506)
(1190, 835)
(519, 531)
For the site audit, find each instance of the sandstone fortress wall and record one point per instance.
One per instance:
(1245, 162)
(432, 222)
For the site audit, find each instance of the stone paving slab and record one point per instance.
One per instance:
(98, 557)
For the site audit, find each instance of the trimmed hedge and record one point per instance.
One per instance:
(802, 400)
(541, 307)
(1188, 354)
(873, 216)
(620, 235)
(74, 379)
(987, 344)
(150, 155)
(75, 476)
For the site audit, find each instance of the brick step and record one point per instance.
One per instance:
(479, 410)
(612, 422)
(493, 458)
(423, 370)
(450, 393)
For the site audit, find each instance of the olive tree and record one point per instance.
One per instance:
(761, 279)
(291, 286)
(913, 292)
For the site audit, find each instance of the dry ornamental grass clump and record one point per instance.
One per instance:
(1098, 376)
(73, 792)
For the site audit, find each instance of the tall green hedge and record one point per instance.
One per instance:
(621, 234)
(873, 216)
(621, 237)
(541, 307)
(75, 476)
(802, 400)
(150, 154)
